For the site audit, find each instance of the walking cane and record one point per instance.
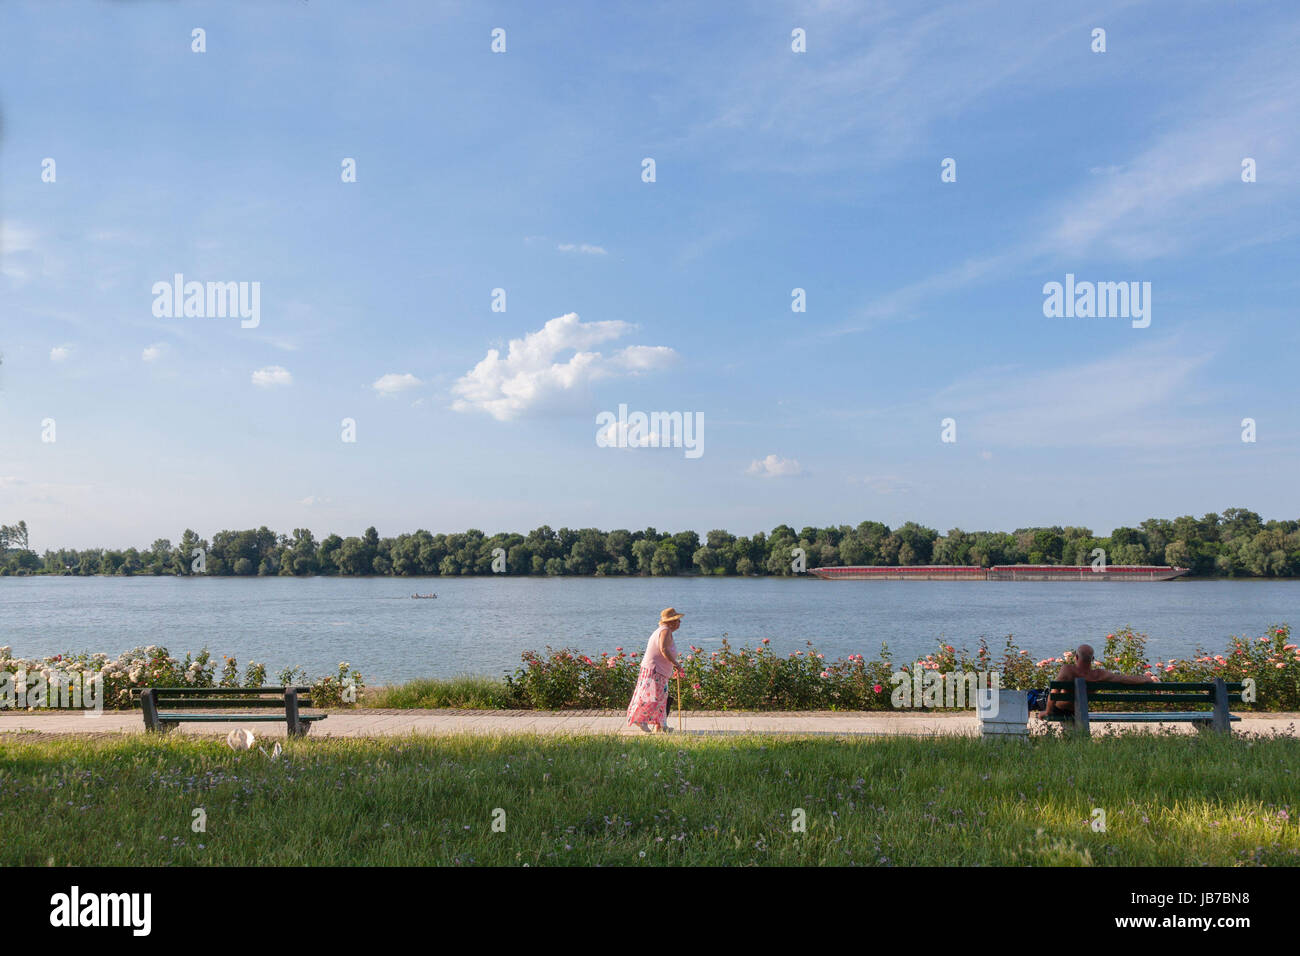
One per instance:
(679, 702)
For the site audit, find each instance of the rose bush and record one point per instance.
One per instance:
(154, 666)
(758, 679)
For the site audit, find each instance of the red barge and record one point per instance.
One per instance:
(1002, 572)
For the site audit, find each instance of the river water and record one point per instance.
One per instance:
(481, 625)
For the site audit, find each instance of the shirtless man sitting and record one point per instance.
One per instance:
(1081, 666)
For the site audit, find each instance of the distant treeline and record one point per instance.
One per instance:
(1236, 543)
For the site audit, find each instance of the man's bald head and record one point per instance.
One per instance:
(1084, 655)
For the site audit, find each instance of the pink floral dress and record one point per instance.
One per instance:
(650, 699)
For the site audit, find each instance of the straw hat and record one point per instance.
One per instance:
(668, 614)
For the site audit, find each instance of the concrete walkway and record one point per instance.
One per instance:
(385, 723)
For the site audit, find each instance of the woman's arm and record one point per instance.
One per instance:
(667, 647)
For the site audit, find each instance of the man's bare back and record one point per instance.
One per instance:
(1082, 666)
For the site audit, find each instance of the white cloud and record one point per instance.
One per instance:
(774, 466)
(153, 352)
(60, 353)
(531, 376)
(883, 484)
(272, 375)
(584, 248)
(312, 500)
(392, 383)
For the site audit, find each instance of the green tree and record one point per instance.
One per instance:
(644, 551)
(665, 560)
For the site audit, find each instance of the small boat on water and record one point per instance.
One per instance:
(423, 597)
(1001, 572)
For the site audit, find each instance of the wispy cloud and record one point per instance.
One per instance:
(585, 248)
(885, 77)
(271, 376)
(1135, 398)
(1182, 190)
(60, 353)
(883, 484)
(19, 258)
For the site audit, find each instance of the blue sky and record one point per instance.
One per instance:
(521, 170)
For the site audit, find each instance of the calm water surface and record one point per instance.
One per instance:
(481, 625)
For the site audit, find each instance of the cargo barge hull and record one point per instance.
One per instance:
(1001, 572)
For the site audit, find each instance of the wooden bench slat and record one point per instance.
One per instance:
(1170, 685)
(200, 691)
(1148, 699)
(253, 702)
(1135, 717)
(175, 718)
(1105, 698)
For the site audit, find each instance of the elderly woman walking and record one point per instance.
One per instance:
(648, 712)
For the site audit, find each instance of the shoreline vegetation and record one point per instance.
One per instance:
(1171, 800)
(1234, 544)
(729, 679)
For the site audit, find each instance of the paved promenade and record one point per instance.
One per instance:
(386, 723)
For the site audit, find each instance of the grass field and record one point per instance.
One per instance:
(467, 693)
(1168, 800)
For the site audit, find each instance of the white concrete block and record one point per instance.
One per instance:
(1005, 713)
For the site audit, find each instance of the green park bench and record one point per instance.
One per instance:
(1083, 695)
(159, 703)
